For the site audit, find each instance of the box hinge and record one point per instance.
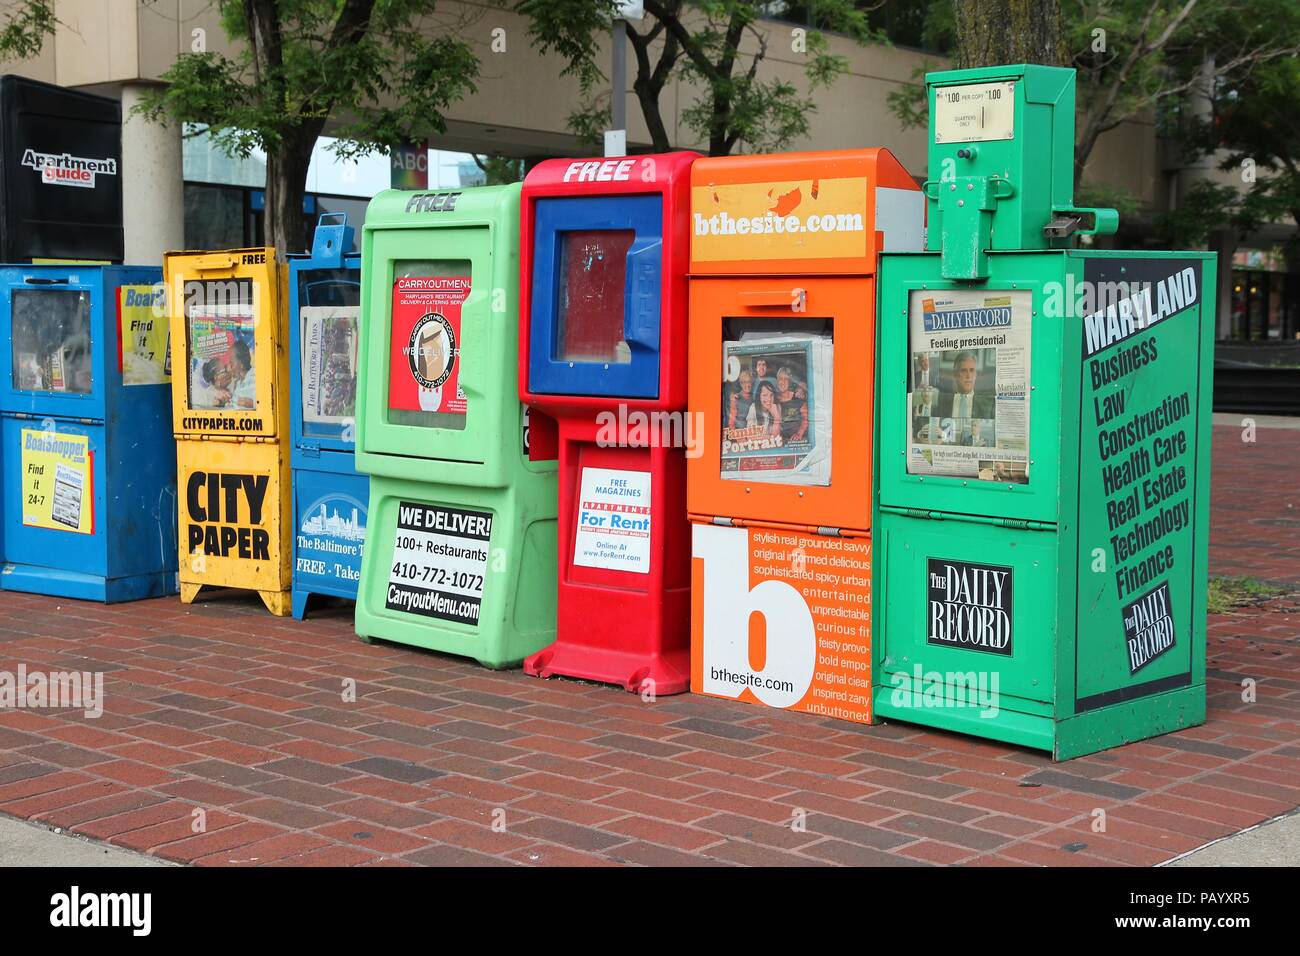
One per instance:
(724, 522)
(310, 449)
(1020, 524)
(249, 439)
(913, 512)
(1024, 524)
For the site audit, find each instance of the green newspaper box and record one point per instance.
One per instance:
(1043, 445)
(459, 552)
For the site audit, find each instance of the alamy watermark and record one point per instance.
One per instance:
(635, 428)
(77, 690)
(927, 690)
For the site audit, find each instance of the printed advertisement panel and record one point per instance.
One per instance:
(331, 536)
(144, 335)
(797, 219)
(426, 345)
(440, 557)
(1138, 476)
(228, 514)
(776, 409)
(968, 384)
(58, 492)
(61, 154)
(613, 528)
(782, 618)
(329, 364)
(969, 605)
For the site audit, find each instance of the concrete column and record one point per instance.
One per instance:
(153, 201)
(1225, 244)
(1200, 107)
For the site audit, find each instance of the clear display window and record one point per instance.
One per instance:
(425, 342)
(221, 346)
(777, 400)
(328, 309)
(51, 341)
(968, 392)
(592, 296)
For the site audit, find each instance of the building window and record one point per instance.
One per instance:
(215, 217)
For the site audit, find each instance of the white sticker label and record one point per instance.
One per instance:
(67, 496)
(975, 113)
(613, 529)
(439, 561)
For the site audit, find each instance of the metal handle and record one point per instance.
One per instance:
(213, 263)
(773, 298)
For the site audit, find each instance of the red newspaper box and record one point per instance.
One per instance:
(604, 249)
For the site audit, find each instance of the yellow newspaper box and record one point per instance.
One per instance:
(230, 415)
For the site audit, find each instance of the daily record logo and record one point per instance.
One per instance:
(1148, 627)
(969, 605)
(64, 169)
(1132, 299)
(988, 317)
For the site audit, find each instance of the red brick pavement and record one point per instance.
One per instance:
(220, 708)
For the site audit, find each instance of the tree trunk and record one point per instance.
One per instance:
(650, 81)
(721, 139)
(648, 98)
(996, 32)
(286, 185)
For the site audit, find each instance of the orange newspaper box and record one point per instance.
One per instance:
(781, 379)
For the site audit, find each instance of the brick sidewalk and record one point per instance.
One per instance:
(222, 708)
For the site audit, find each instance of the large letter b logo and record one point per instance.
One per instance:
(729, 603)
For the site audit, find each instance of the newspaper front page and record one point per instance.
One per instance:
(968, 384)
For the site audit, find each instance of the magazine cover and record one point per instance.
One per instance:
(776, 409)
(143, 334)
(222, 372)
(968, 384)
(329, 364)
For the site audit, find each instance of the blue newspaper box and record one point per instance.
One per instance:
(329, 497)
(89, 461)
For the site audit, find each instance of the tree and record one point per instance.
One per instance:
(718, 48)
(1138, 56)
(1253, 132)
(1134, 57)
(990, 32)
(377, 68)
(499, 170)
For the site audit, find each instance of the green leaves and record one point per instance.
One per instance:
(381, 71)
(728, 55)
(372, 65)
(721, 51)
(573, 29)
(24, 30)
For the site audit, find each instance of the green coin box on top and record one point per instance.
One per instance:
(460, 548)
(1043, 445)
